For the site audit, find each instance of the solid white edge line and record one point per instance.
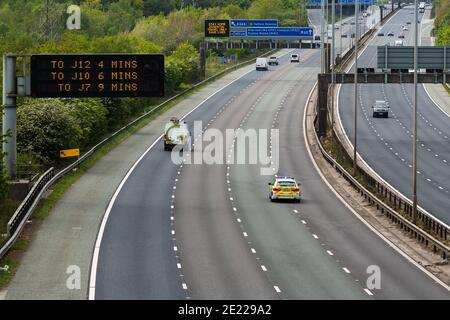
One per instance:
(392, 245)
(94, 263)
(435, 103)
(360, 158)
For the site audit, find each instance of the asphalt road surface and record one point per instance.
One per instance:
(386, 144)
(209, 231)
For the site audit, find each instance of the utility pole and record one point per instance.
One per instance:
(416, 36)
(355, 111)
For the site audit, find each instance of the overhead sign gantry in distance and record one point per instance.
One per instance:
(97, 75)
(242, 23)
(217, 28)
(280, 33)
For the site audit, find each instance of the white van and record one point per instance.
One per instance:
(398, 43)
(261, 64)
(295, 57)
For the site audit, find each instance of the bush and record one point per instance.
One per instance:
(46, 126)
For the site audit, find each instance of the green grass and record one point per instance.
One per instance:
(46, 205)
(7, 208)
(447, 88)
(6, 276)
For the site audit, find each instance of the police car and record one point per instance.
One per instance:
(284, 188)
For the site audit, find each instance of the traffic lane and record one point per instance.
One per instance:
(433, 129)
(294, 260)
(136, 247)
(395, 134)
(136, 260)
(385, 147)
(352, 243)
(215, 256)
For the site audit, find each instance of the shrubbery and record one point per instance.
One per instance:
(442, 22)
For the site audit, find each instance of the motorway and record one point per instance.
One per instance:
(345, 27)
(386, 144)
(209, 232)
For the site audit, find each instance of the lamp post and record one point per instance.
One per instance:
(416, 36)
(333, 59)
(322, 42)
(355, 110)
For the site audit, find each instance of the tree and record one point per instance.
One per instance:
(45, 127)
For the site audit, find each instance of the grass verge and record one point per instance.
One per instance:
(12, 259)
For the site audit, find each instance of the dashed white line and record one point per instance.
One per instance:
(330, 253)
(315, 236)
(346, 270)
(263, 268)
(277, 289)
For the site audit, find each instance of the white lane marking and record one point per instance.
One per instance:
(295, 211)
(173, 231)
(330, 253)
(239, 220)
(368, 292)
(303, 221)
(175, 248)
(263, 268)
(94, 264)
(171, 218)
(245, 234)
(179, 265)
(315, 236)
(393, 246)
(252, 250)
(346, 270)
(184, 285)
(277, 289)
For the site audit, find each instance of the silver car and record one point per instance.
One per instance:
(380, 108)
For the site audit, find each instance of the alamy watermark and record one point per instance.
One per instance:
(212, 146)
(73, 281)
(73, 22)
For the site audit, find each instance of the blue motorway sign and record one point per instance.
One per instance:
(282, 32)
(253, 23)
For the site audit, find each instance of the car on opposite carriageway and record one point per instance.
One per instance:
(380, 108)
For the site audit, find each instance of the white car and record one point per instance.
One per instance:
(399, 43)
(295, 57)
(261, 64)
(405, 28)
(273, 61)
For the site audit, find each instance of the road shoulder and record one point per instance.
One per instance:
(63, 243)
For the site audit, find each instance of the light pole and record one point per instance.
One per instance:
(416, 36)
(340, 41)
(322, 42)
(333, 60)
(355, 110)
